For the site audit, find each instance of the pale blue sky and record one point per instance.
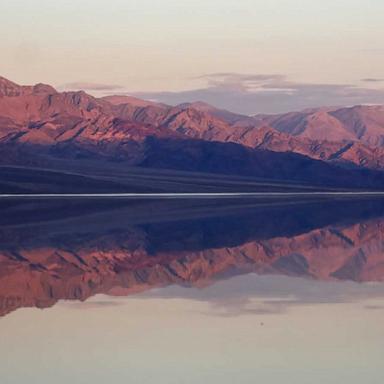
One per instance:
(158, 45)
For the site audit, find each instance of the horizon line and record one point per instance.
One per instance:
(196, 194)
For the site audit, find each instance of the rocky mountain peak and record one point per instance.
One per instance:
(8, 88)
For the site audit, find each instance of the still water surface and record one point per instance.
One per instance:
(201, 291)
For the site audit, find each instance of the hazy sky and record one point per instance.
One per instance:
(169, 45)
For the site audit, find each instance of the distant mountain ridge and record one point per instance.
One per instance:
(350, 135)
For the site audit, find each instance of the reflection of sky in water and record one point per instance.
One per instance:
(229, 309)
(270, 294)
(248, 328)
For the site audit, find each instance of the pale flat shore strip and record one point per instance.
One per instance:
(197, 195)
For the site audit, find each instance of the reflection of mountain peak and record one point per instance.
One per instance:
(76, 256)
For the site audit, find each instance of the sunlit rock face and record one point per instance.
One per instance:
(48, 253)
(76, 121)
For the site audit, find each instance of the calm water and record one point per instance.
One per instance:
(192, 291)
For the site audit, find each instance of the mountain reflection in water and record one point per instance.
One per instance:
(53, 250)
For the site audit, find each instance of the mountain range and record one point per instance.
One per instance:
(41, 128)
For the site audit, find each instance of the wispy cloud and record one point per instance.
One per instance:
(253, 93)
(273, 294)
(372, 80)
(269, 93)
(245, 82)
(92, 304)
(86, 86)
